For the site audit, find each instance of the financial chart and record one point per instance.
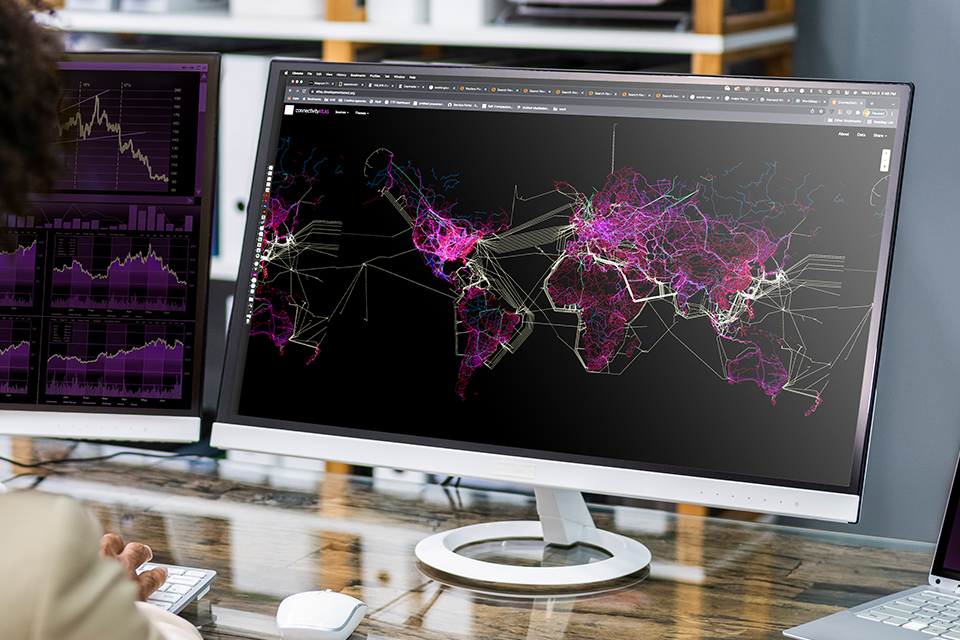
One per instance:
(120, 272)
(15, 352)
(18, 270)
(126, 132)
(99, 277)
(118, 360)
(136, 136)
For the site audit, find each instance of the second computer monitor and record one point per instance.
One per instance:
(103, 294)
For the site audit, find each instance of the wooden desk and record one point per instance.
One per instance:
(711, 578)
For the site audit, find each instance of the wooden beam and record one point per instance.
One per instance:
(691, 510)
(339, 51)
(338, 467)
(765, 52)
(708, 16)
(780, 66)
(345, 11)
(779, 5)
(707, 64)
(431, 51)
(760, 20)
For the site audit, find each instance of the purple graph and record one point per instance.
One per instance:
(122, 273)
(116, 139)
(106, 217)
(151, 218)
(17, 274)
(99, 360)
(14, 356)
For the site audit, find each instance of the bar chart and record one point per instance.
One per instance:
(106, 217)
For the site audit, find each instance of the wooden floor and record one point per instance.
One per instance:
(710, 578)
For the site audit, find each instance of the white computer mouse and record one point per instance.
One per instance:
(319, 615)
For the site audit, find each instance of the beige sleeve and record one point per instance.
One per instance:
(55, 586)
(170, 626)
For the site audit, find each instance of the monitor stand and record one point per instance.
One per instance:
(564, 521)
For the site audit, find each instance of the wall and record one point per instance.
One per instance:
(917, 426)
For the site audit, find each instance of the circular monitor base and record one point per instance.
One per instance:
(627, 557)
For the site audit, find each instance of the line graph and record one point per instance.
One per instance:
(18, 271)
(129, 273)
(14, 356)
(116, 360)
(116, 139)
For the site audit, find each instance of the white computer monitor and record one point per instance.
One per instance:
(659, 286)
(103, 279)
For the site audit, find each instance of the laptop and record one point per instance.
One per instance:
(924, 612)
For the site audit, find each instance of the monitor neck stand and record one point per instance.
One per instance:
(564, 521)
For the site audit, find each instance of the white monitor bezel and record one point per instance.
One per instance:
(139, 427)
(729, 494)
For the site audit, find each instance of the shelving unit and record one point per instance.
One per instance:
(717, 39)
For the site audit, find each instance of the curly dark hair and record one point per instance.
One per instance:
(29, 97)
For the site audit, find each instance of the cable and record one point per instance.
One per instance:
(36, 465)
(19, 475)
(449, 479)
(36, 482)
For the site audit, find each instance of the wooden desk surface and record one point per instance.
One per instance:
(711, 578)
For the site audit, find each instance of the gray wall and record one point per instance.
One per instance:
(916, 433)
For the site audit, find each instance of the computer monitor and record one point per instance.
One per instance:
(660, 286)
(103, 296)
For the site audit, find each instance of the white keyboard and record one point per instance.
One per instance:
(183, 586)
(932, 613)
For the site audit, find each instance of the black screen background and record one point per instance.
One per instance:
(388, 361)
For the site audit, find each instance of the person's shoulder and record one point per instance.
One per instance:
(39, 515)
(38, 504)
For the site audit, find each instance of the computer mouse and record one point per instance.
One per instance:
(319, 615)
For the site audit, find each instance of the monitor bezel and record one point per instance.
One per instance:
(841, 504)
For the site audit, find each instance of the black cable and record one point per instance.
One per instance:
(37, 479)
(450, 479)
(35, 465)
(19, 475)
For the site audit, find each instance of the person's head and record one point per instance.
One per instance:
(29, 95)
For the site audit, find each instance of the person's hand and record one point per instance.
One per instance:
(132, 556)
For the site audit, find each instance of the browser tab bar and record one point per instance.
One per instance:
(797, 103)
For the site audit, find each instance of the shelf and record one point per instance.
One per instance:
(509, 36)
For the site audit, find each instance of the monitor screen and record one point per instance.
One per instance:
(103, 293)
(649, 285)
